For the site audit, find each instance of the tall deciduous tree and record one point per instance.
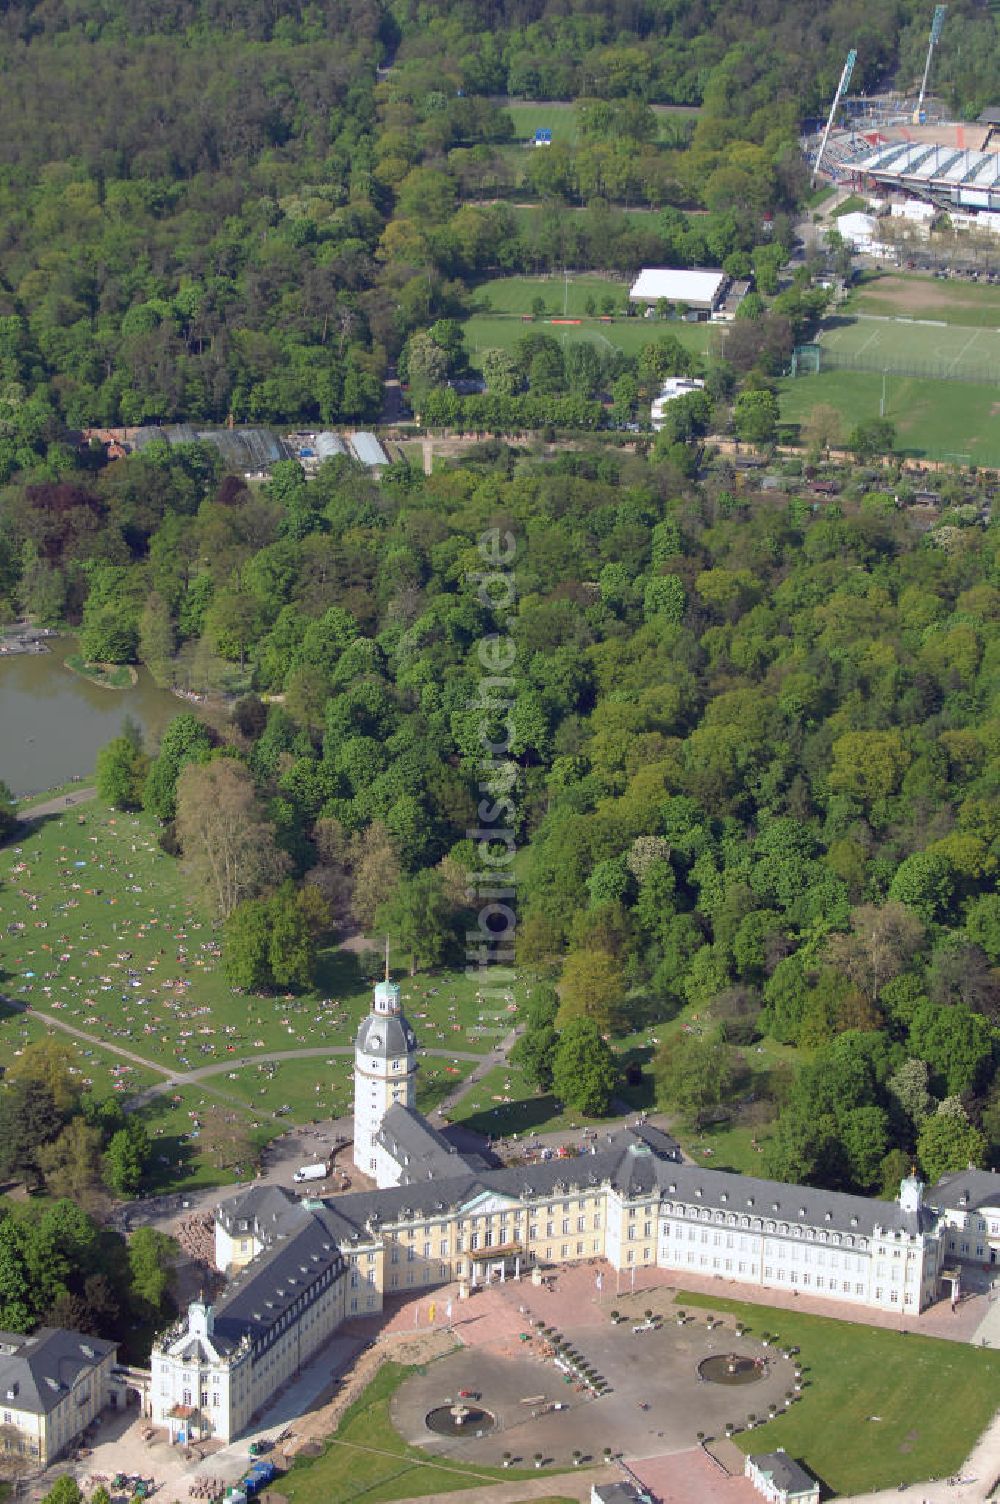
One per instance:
(121, 772)
(947, 1142)
(693, 1073)
(226, 841)
(881, 942)
(375, 864)
(592, 986)
(583, 1068)
(418, 919)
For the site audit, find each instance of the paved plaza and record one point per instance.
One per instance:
(658, 1402)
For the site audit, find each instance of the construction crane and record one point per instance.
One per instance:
(845, 79)
(936, 28)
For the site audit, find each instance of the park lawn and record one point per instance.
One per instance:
(179, 1161)
(102, 1073)
(974, 304)
(304, 1091)
(938, 420)
(88, 897)
(367, 1459)
(493, 332)
(934, 1398)
(504, 1103)
(725, 1146)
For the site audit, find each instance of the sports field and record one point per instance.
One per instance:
(504, 307)
(623, 334)
(562, 296)
(940, 420)
(948, 352)
(945, 300)
(559, 116)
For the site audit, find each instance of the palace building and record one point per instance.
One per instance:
(300, 1267)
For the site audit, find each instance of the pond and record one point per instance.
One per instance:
(53, 723)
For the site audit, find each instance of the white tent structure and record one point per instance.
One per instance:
(701, 290)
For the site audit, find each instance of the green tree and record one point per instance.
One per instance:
(584, 1074)
(246, 946)
(121, 773)
(125, 1160)
(956, 1043)
(592, 986)
(157, 639)
(151, 1256)
(872, 439)
(292, 940)
(29, 1119)
(534, 1053)
(693, 1073)
(71, 1164)
(418, 919)
(500, 372)
(948, 1142)
(65, 1490)
(8, 812)
(755, 417)
(184, 740)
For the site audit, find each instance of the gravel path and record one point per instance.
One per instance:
(56, 806)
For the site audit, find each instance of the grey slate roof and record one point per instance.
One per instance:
(305, 1246)
(979, 1187)
(393, 1032)
(623, 1159)
(785, 1472)
(420, 1150)
(808, 1206)
(37, 1371)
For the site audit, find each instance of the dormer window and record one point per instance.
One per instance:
(724, 1196)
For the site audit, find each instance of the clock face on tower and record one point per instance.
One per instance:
(375, 1041)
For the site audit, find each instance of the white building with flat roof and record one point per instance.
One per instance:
(672, 388)
(702, 290)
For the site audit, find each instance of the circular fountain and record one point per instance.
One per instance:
(460, 1419)
(731, 1368)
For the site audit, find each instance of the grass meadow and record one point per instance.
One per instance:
(934, 419)
(367, 1459)
(879, 1407)
(99, 930)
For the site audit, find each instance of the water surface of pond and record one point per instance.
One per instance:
(53, 723)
